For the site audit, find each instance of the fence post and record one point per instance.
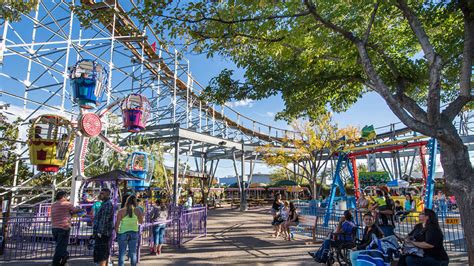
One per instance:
(139, 242)
(6, 217)
(205, 222)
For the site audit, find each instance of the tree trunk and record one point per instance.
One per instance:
(314, 188)
(459, 178)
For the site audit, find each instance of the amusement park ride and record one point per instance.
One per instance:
(151, 87)
(51, 136)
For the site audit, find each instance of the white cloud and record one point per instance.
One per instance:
(270, 114)
(243, 103)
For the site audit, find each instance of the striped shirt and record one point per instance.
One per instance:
(61, 212)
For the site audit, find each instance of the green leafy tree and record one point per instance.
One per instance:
(416, 55)
(11, 9)
(279, 174)
(8, 157)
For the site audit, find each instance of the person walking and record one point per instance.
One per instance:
(158, 213)
(103, 228)
(61, 212)
(126, 228)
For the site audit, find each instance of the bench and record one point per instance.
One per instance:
(307, 223)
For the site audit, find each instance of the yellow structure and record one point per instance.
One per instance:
(50, 140)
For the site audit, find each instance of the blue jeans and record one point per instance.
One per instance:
(159, 234)
(129, 239)
(61, 237)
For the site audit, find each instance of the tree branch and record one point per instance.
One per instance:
(312, 9)
(418, 29)
(465, 77)
(412, 107)
(455, 107)
(237, 34)
(393, 103)
(468, 50)
(236, 21)
(435, 63)
(371, 22)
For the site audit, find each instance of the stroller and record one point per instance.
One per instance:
(380, 252)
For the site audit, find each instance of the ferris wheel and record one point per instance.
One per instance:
(51, 136)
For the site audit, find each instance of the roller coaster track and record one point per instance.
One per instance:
(153, 62)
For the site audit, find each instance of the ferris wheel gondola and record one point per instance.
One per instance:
(49, 142)
(141, 165)
(88, 82)
(135, 112)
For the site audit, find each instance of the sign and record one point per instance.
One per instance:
(452, 220)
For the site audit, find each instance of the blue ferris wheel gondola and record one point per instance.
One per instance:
(141, 165)
(88, 82)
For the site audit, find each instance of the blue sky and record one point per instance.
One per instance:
(370, 109)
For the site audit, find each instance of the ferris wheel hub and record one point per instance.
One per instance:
(90, 124)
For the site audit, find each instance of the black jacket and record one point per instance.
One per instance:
(367, 237)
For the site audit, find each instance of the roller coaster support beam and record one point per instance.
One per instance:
(245, 185)
(176, 173)
(336, 182)
(355, 175)
(430, 182)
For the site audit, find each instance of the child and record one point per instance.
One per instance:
(398, 210)
(284, 212)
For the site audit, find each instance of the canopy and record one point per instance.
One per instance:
(285, 183)
(398, 183)
(114, 176)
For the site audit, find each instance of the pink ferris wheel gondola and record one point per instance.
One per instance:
(135, 112)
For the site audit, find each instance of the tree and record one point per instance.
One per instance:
(279, 174)
(8, 157)
(309, 153)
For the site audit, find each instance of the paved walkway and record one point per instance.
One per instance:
(238, 238)
(235, 238)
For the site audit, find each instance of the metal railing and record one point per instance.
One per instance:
(29, 236)
(450, 224)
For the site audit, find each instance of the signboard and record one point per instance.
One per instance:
(452, 221)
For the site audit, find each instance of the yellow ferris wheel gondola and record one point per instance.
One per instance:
(49, 141)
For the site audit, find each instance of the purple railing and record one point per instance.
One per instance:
(29, 236)
(193, 224)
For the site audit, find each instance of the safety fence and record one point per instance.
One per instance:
(450, 224)
(29, 236)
